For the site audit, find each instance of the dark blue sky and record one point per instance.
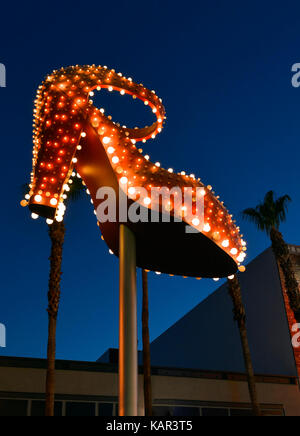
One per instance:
(223, 70)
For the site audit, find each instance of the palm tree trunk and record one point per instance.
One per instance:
(282, 254)
(146, 348)
(240, 317)
(50, 380)
(57, 234)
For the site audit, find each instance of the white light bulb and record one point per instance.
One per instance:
(124, 180)
(115, 160)
(147, 201)
(234, 251)
(34, 216)
(49, 222)
(131, 191)
(241, 258)
(111, 150)
(225, 243)
(206, 228)
(196, 222)
(106, 140)
(53, 201)
(38, 198)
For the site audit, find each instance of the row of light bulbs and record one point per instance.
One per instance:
(124, 179)
(111, 151)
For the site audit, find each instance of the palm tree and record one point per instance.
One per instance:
(268, 216)
(146, 348)
(57, 235)
(56, 231)
(240, 317)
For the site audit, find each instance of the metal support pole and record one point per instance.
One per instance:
(128, 357)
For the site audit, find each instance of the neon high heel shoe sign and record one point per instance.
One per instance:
(70, 133)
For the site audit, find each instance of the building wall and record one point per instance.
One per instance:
(208, 338)
(199, 390)
(186, 389)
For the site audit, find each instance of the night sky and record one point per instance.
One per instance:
(223, 70)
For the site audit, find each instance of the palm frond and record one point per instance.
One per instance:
(253, 216)
(25, 189)
(76, 190)
(281, 207)
(270, 213)
(269, 198)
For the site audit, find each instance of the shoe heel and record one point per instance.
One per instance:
(58, 129)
